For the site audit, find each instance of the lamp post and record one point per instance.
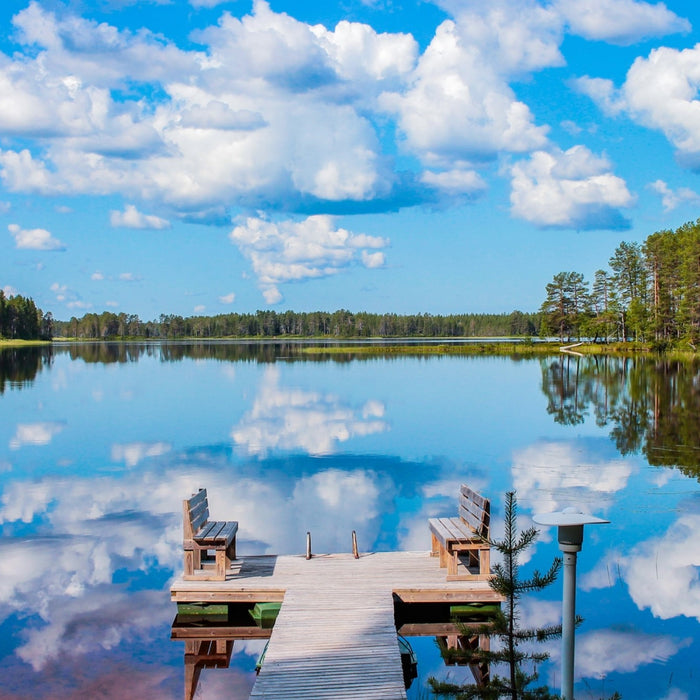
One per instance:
(569, 524)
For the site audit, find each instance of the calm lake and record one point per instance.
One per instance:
(99, 444)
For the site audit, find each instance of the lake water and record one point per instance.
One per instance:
(99, 444)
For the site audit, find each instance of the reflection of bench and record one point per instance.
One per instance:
(466, 534)
(204, 653)
(451, 645)
(202, 536)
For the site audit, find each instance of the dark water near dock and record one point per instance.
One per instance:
(100, 443)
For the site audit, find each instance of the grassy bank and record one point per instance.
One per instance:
(21, 343)
(527, 349)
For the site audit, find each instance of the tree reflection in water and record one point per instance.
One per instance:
(19, 366)
(652, 405)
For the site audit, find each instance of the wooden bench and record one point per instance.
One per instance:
(467, 534)
(202, 537)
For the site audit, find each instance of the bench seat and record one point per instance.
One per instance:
(219, 532)
(464, 535)
(202, 537)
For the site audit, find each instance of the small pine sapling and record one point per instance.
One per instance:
(505, 624)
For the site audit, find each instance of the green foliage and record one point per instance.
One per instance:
(315, 324)
(20, 319)
(567, 305)
(651, 293)
(505, 625)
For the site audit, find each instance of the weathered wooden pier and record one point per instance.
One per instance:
(335, 636)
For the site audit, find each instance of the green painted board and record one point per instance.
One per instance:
(265, 614)
(202, 608)
(474, 610)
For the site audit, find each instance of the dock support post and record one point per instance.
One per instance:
(355, 553)
(308, 545)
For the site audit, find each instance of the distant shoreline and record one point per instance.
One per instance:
(396, 346)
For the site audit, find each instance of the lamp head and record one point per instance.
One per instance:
(570, 524)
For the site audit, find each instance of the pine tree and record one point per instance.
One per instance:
(505, 625)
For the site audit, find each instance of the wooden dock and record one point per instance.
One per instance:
(335, 636)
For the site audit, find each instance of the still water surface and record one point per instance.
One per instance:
(99, 444)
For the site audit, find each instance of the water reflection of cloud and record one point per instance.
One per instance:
(675, 694)
(134, 452)
(663, 572)
(108, 676)
(35, 433)
(551, 475)
(539, 613)
(21, 504)
(331, 504)
(103, 619)
(605, 651)
(225, 683)
(292, 419)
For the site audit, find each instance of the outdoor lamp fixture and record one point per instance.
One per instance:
(569, 524)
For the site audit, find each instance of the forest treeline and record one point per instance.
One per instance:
(20, 318)
(649, 293)
(269, 324)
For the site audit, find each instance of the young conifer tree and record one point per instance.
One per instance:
(505, 624)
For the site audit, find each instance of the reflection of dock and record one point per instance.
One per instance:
(335, 636)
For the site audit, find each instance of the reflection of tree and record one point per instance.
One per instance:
(19, 366)
(263, 352)
(22, 364)
(653, 405)
(110, 353)
(561, 383)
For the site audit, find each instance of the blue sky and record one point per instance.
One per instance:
(380, 155)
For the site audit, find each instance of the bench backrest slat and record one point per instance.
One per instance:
(475, 510)
(195, 513)
(198, 498)
(199, 516)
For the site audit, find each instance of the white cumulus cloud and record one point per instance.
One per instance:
(292, 251)
(659, 92)
(670, 199)
(274, 112)
(458, 106)
(373, 260)
(239, 123)
(128, 277)
(620, 21)
(455, 182)
(569, 189)
(131, 217)
(34, 239)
